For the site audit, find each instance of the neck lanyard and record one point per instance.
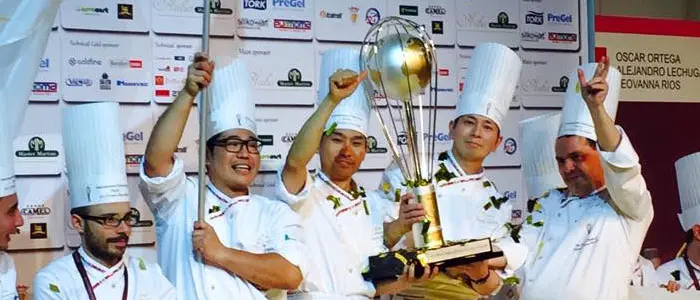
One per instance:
(691, 270)
(86, 281)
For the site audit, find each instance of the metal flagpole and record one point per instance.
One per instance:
(203, 116)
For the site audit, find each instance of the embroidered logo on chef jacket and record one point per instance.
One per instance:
(588, 239)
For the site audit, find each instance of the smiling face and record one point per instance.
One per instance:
(235, 171)
(341, 153)
(579, 164)
(10, 219)
(474, 137)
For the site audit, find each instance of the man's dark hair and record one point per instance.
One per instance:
(689, 237)
(212, 140)
(590, 142)
(81, 211)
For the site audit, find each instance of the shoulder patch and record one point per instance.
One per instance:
(54, 288)
(142, 264)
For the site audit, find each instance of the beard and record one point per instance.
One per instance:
(99, 247)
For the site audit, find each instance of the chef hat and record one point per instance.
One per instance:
(232, 105)
(537, 136)
(490, 82)
(11, 114)
(687, 175)
(23, 38)
(19, 61)
(94, 150)
(576, 119)
(353, 112)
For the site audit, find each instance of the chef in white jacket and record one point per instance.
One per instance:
(591, 233)
(684, 272)
(644, 274)
(10, 217)
(101, 212)
(341, 225)
(248, 243)
(469, 204)
(23, 36)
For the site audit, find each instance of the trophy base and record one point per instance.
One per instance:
(390, 265)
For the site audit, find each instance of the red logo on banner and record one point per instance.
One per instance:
(162, 93)
(444, 72)
(136, 64)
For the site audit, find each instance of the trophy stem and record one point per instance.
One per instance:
(430, 237)
(411, 140)
(421, 135)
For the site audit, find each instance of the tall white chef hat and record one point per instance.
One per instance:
(352, 113)
(11, 116)
(232, 105)
(688, 177)
(23, 39)
(94, 150)
(490, 82)
(576, 119)
(538, 135)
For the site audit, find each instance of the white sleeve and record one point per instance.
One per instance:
(163, 288)
(162, 194)
(47, 287)
(515, 254)
(287, 237)
(282, 194)
(664, 273)
(624, 181)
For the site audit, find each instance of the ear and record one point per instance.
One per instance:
(451, 127)
(77, 223)
(499, 140)
(696, 231)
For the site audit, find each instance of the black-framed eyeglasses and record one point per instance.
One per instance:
(113, 221)
(236, 145)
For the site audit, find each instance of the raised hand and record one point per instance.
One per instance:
(595, 90)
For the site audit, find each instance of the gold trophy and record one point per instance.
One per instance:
(400, 59)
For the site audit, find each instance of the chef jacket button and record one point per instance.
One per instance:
(463, 190)
(350, 270)
(230, 216)
(559, 215)
(212, 287)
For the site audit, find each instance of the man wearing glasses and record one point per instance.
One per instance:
(100, 211)
(248, 243)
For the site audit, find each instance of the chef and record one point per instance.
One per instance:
(590, 234)
(10, 217)
(463, 191)
(21, 47)
(248, 243)
(101, 212)
(684, 272)
(341, 225)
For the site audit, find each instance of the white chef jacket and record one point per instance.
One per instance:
(8, 278)
(61, 280)
(588, 246)
(340, 240)
(248, 223)
(644, 274)
(665, 273)
(463, 216)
